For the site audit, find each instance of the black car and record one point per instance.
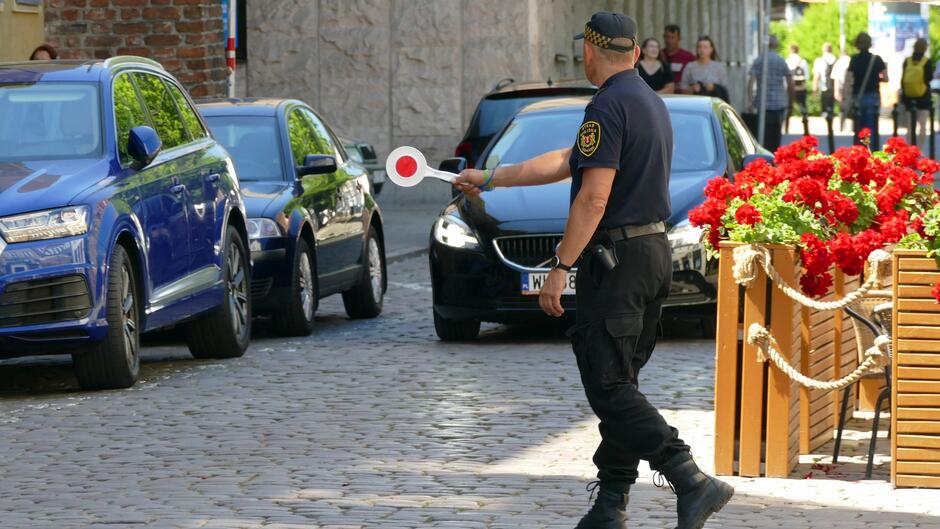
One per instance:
(489, 254)
(503, 101)
(313, 225)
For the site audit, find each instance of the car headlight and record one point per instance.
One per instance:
(263, 229)
(454, 232)
(684, 234)
(49, 224)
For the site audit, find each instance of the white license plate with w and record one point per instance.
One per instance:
(532, 283)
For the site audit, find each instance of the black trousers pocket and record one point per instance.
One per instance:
(606, 350)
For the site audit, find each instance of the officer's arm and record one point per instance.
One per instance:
(586, 212)
(543, 169)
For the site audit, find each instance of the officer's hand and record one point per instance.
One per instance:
(550, 296)
(469, 180)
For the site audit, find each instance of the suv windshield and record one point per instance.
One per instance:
(48, 121)
(252, 141)
(529, 136)
(495, 112)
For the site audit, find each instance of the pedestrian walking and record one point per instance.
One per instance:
(44, 52)
(705, 76)
(866, 72)
(779, 88)
(842, 95)
(654, 69)
(675, 55)
(915, 89)
(619, 170)
(823, 83)
(799, 70)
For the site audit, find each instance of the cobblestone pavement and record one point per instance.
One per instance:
(374, 424)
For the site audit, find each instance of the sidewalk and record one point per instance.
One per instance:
(843, 136)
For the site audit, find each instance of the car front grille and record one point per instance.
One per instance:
(529, 251)
(261, 287)
(46, 300)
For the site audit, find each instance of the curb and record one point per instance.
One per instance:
(407, 253)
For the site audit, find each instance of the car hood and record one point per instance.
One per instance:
(538, 208)
(38, 185)
(263, 199)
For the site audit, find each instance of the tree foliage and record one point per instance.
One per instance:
(820, 24)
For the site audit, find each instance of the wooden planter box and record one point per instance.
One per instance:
(915, 394)
(763, 421)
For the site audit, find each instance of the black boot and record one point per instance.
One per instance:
(698, 494)
(610, 508)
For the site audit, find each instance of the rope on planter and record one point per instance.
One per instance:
(875, 357)
(749, 257)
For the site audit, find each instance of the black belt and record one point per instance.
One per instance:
(622, 233)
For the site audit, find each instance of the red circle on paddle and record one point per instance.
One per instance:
(406, 166)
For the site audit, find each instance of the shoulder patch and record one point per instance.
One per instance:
(589, 137)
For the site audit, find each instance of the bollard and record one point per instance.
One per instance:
(831, 133)
(912, 125)
(933, 140)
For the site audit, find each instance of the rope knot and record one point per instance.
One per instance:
(758, 336)
(879, 262)
(747, 259)
(878, 352)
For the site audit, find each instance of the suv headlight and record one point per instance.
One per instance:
(263, 229)
(49, 224)
(450, 230)
(684, 234)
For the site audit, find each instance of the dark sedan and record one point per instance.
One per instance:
(313, 225)
(489, 254)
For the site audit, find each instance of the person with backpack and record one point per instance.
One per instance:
(866, 72)
(823, 82)
(915, 88)
(799, 70)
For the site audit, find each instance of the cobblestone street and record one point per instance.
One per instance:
(376, 423)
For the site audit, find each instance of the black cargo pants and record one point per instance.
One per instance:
(618, 314)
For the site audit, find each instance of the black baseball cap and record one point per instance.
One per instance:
(605, 26)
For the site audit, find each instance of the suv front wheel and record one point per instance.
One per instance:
(225, 331)
(114, 362)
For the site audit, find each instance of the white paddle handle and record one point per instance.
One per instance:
(442, 175)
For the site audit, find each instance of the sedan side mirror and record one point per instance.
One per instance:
(759, 156)
(143, 145)
(317, 164)
(453, 165)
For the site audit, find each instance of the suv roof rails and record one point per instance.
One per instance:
(502, 83)
(132, 59)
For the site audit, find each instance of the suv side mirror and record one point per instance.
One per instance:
(453, 165)
(143, 145)
(317, 164)
(759, 156)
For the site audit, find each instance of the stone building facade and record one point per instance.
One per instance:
(184, 35)
(396, 72)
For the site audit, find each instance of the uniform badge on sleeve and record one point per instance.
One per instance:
(589, 137)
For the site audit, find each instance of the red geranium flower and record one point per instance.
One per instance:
(747, 214)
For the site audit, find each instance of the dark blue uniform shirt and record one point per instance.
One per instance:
(626, 127)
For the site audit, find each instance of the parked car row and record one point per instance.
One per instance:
(124, 210)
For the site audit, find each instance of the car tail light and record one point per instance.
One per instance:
(464, 150)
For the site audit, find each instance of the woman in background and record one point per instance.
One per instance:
(705, 76)
(44, 52)
(654, 69)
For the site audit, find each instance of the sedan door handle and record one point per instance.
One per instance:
(177, 189)
(214, 177)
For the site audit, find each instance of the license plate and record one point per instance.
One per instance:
(532, 283)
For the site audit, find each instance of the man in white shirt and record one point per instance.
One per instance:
(799, 70)
(823, 83)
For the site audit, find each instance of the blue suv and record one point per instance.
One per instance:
(119, 214)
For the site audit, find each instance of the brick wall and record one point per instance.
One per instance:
(186, 36)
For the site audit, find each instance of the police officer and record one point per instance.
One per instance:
(619, 168)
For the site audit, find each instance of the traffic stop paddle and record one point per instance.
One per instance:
(406, 167)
